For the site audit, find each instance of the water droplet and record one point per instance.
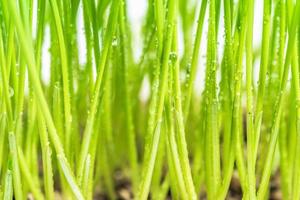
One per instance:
(173, 56)
(169, 25)
(188, 75)
(189, 66)
(57, 85)
(114, 42)
(265, 22)
(11, 92)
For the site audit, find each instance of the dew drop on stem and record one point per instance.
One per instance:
(11, 92)
(189, 66)
(188, 76)
(114, 42)
(173, 56)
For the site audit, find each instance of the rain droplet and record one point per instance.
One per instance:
(189, 66)
(173, 56)
(56, 85)
(265, 22)
(11, 92)
(114, 42)
(188, 75)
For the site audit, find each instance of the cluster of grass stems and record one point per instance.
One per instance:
(70, 136)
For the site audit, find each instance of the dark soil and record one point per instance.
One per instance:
(235, 190)
(124, 192)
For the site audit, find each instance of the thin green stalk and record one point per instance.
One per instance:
(17, 184)
(65, 74)
(102, 129)
(156, 182)
(159, 19)
(181, 140)
(249, 76)
(57, 110)
(151, 153)
(226, 100)
(279, 104)
(88, 38)
(90, 10)
(295, 77)
(28, 176)
(8, 186)
(46, 158)
(194, 62)
(159, 22)
(212, 157)
(173, 157)
(86, 176)
(236, 111)
(128, 103)
(262, 73)
(4, 78)
(293, 135)
(106, 135)
(87, 135)
(285, 184)
(3, 133)
(296, 87)
(28, 53)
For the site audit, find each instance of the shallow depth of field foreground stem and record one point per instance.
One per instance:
(187, 100)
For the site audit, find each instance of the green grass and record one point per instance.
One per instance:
(87, 129)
